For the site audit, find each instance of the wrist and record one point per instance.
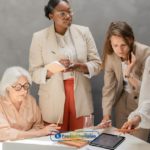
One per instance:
(106, 117)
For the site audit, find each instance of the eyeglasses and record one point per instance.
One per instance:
(18, 87)
(64, 14)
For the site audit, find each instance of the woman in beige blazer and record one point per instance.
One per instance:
(64, 97)
(124, 60)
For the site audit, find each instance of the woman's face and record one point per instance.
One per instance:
(120, 47)
(19, 90)
(62, 15)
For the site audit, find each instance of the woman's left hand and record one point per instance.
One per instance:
(130, 64)
(80, 67)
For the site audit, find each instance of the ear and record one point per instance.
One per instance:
(50, 16)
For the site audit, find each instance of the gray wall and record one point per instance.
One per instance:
(20, 18)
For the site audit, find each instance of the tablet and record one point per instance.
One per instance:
(108, 141)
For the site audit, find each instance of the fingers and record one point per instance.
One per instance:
(126, 128)
(105, 124)
(65, 62)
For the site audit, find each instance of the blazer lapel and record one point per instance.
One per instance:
(52, 45)
(119, 73)
(76, 42)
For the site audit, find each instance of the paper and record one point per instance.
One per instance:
(55, 67)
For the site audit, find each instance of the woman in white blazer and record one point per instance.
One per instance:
(140, 118)
(64, 97)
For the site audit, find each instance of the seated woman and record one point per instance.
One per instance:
(20, 117)
(140, 118)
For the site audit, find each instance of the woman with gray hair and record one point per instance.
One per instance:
(20, 117)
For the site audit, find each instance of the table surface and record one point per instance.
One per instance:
(44, 143)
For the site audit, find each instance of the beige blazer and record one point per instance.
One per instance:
(113, 77)
(44, 50)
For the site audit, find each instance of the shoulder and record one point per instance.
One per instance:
(147, 63)
(142, 51)
(141, 47)
(80, 28)
(31, 99)
(41, 33)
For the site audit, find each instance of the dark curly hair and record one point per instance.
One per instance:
(51, 6)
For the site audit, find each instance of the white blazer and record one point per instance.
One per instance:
(143, 109)
(44, 50)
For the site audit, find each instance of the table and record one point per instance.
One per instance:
(44, 143)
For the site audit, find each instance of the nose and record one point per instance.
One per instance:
(120, 49)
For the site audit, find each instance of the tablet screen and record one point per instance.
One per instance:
(108, 141)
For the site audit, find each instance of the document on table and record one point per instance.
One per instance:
(55, 67)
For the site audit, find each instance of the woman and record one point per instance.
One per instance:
(140, 118)
(64, 97)
(20, 116)
(124, 60)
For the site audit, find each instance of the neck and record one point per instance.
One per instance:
(17, 103)
(60, 30)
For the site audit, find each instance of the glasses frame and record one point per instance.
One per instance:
(19, 86)
(64, 14)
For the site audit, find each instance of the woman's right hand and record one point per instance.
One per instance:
(49, 74)
(50, 129)
(106, 122)
(65, 62)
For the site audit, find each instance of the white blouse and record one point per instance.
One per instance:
(67, 47)
(143, 109)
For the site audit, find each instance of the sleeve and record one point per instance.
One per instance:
(38, 121)
(36, 63)
(109, 88)
(143, 109)
(144, 112)
(6, 132)
(144, 57)
(93, 60)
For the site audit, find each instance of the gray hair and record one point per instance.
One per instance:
(11, 76)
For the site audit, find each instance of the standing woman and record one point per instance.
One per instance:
(124, 60)
(64, 97)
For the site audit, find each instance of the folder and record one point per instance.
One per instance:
(55, 67)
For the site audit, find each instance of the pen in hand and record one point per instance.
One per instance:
(106, 122)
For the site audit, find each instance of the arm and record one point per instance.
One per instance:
(8, 133)
(93, 65)
(36, 63)
(143, 110)
(93, 60)
(109, 90)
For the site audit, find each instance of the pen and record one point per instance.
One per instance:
(53, 52)
(103, 123)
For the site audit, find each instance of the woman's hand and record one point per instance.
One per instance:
(80, 67)
(49, 74)
(130, 125)
(106, 122)
(130, 64)
(50, 129)
(65, 62)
